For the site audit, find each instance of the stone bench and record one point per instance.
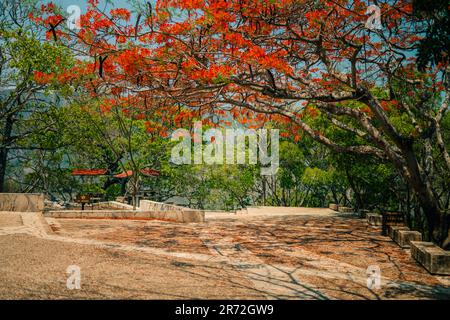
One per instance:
(374, 219)
(333, 206)
(433, 258)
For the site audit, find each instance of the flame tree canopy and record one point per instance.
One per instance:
(287, 62)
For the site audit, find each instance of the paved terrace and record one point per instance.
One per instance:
(268, 253)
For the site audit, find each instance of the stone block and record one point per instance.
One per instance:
(141, 214)
(403, 237)
(102, 215)
(85, 214)
(374, 219)
(392, 230)
(333, 206)
(22, 202)
(391, 219)
(75, 214)
(345, 209)
(433, 258)
(118, 215)
(119, 205)
(363, 213)
(147, 205)
(193, 216)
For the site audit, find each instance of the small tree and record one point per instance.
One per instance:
(25, 105)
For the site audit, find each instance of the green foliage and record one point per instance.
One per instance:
(316, 177)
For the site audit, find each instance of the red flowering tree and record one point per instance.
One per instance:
(287, 58)
(281, 60)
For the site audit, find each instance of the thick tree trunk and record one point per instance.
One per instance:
(358, 198)
(3, 162)
(4, 149)
(436, 220)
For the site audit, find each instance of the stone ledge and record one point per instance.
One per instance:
(184, 216)
(404, 237)
(118, 205)
(333, 206)
(433, 258)
(374, 219)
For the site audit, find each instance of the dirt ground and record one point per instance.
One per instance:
(292, 256)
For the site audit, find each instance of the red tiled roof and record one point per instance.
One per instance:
(145, 172)
(123, 174)
(100, 172)
(150, 172)
(89, 172)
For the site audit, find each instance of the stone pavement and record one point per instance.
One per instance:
(310, 254)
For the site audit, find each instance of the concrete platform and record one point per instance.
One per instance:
(275, 256)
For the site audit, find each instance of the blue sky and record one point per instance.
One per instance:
(83, 3)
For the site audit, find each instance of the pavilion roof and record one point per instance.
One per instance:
(124, 174)
(150, 172)
(146, 172)
(101, 172)
(89, 172)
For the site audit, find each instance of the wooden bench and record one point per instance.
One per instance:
(87, 198)
(83, 199)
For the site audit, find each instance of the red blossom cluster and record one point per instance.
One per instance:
(254, 59)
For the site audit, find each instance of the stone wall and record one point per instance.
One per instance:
(22, 202)
(184, 216)
(118, 205)
(148, 205)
